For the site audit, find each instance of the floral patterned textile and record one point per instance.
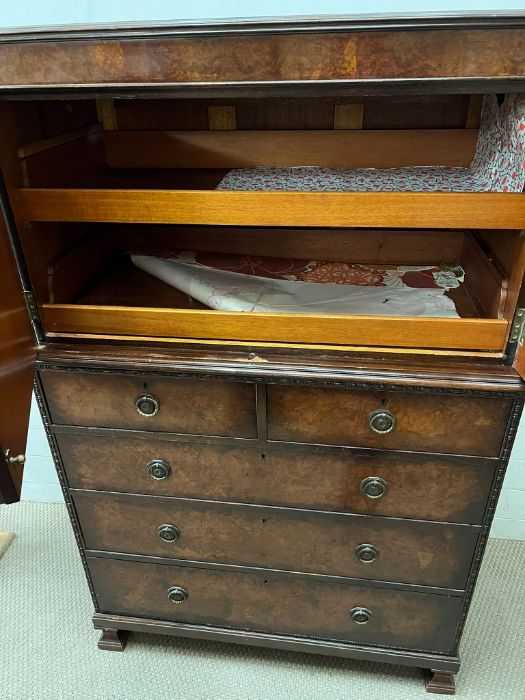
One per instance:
(234, 291)
(498, 165)
(410, 276)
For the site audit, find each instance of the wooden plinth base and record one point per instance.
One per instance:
(440, 682)
(113, 640)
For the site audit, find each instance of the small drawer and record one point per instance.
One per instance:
(450, 489)
(392, 420)
(149, 403)
(277, 603)
(357, 546)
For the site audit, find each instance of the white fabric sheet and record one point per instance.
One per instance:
(233, 291)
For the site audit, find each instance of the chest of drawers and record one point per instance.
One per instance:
(304, 474)
(332, 515)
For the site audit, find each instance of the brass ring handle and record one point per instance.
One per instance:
(177, 594)
(361, 616)
(367, 553)
(158, 469)
(381, 421)
(147, 405)
(168, 533)
(374, 487)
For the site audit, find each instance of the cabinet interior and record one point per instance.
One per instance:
(93, 180)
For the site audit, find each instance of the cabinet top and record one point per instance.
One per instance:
(361, 22)
(366, 54)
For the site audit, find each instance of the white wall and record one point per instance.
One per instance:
(41, 483)
(40, 478)
(45, 12)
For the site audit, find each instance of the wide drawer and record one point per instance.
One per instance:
(416, 552)
(394, 420)
(176, 405)
(403, 485)
(277, 603)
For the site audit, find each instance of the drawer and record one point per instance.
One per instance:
(179, 405)
(450, 489)
(277, 603)
(417, 552)
(422, 422)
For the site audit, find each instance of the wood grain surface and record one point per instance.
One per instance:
(186, 406)
(277, 603)
(325, 148)
(330, 329)
(266, 58)
(418, 485)
(414, 552)
(433, 210)
(449, 424)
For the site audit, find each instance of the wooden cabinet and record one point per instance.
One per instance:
(298, 476)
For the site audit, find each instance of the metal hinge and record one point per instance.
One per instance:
(517, 332)
(32, 308)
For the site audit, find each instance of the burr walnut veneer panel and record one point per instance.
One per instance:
(277, 603)
(261, 58)
(426, 487)
(448, 424)
(185, 406)
(433, 554)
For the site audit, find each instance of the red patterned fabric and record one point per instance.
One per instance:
(498, 166)
(414, 276)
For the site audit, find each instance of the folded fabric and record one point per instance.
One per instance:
(498, 165)
(321, 272)
(233, 291)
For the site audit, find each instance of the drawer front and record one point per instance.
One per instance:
(422, 422)
(184, 405)
(277, 603)
(407, 486)
(433, 554)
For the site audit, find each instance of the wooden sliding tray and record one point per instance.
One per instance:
(92, 293)
(493, 210)
(333, 329)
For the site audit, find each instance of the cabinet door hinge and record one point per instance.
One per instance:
(517, 332)
(32, 308)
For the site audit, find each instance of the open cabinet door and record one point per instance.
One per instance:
(17, 367)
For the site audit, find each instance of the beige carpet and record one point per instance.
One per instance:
(48, 647)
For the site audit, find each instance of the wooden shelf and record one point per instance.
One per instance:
(114, 298)
(418, 332)
(242, 208)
